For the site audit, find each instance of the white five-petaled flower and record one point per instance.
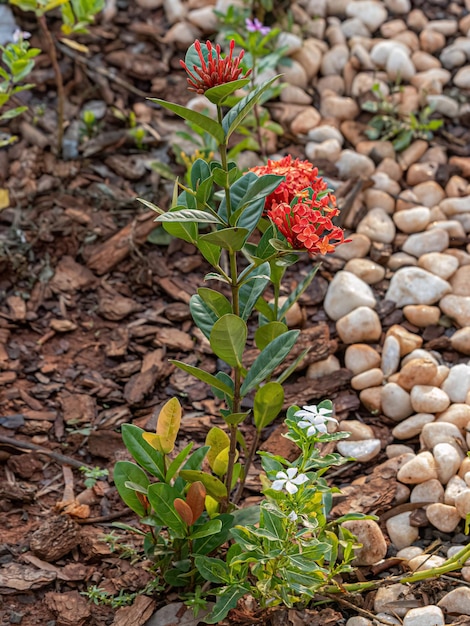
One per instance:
(314, 419)
(289, 480)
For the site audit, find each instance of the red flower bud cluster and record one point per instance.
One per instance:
(216, 70)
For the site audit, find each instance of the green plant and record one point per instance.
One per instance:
(77, 15)
(92, 475)
(389, 124)
(17, 62)
(90, 124)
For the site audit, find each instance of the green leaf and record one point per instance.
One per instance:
(178, 461)
(227, 600)
(202, 314)
(273, 522)
(216, 301)
(232, 239)
(268, 360)
(213, 570)
(215, 487)
(236, 114)
(252, 289)
(206, 545)
(203, 121)
(298, 291)
(150, 459)
(218, 94)
(209, 528)
(196, 459)
(9, 115)
(268, 402)
(218, 440)
(210, 252)
(292, 367)
(200, 172)
(189, 215)
(228, 339)
(204, 376)
(161, 497)
(125, 472)
(266, 333)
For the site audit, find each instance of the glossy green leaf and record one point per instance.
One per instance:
(218, 94)
(203, 121)
(215, 300)
(268, 360)
(268, 403)
(210, 252)
(189, 215)
(213, 570)
(200, 171)
(178, 461)
(237, 113)
(266, 333)
(206, 545)
(147, 457)
(232, 239)
(253, 289)
(228, 339)
(215, 487)
(126, 472)
(187, 231)
(226, 601)
(235, 418)
(203, 315)
(205, 530)
(161, 497)
(204, 376)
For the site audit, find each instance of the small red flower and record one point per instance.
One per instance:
(216, 70)
(307, 225)
(299, 175)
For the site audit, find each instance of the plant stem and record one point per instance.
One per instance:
(246, 468)
(51, 51)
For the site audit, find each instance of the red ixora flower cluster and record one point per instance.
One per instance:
(216, 70)
(299, 175)
(307, 225)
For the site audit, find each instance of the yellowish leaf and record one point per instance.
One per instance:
(168, 424)
(218, 440)
(153, 440)
(4, 199)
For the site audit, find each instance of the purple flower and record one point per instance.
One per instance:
(253, 26)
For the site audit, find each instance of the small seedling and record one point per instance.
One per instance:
(92, 475)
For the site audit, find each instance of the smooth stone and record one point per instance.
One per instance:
(290, 41)
(417, 372)
(418, 470)
(309, 57)
(441, 432)
(305, 121)
(435, 240)
(413, 285)
(445, 105)
(456, 601)
(448, 461)
(456, 307)
(371, 399)
(442, 265)
(458, 414)
(401, 533)
(424, 61)
(325, 132)
(408, 341)
(383, 182)
(357, 247)
(361, 451)
(334, 60)
(390, 355)
(358, 430)
(460, 340)
(454, 206)
(422, 315)
(330, 149)
(457, 383)
(323, 367)
(362, 324)
(420, 353)
(460, 281)
(412, 220)
(412, 426)
(345, 293)
(368, 533)
(341, 109)
(400, 65)
(397, 449)
(402, 7)
(294, 74)
(443, 517)
(352, 164)
(462, 503)
(358, 620)
(401, 259)
(462, 78)
(360, 357)
(392, 596)
(366, 270)
(294, 95)
(204, 18)
(424, 562)
(455, 486)
(377, 225)
(396, 402)
(465, 467)
(372, 14)
(429, 491)
(384, 49)
(429, 193)
(428, 399)
(370, 378)
(377, 198)
(409, 553)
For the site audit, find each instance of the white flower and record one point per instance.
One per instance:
(19, 34)
(289, 480)
(292, 517)
(314, 419)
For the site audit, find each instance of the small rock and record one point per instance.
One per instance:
(435, 240)
(422, 315)
(442, 265)
(457, 383)
(460, 340)
(462, 78)
(390, 355)
(456, 307)
(443, 517)
(413, 285)
(454, 206)
(429, 399)
(362, 324)
(409, 342)
(460, 281)
(429, 491)
(357, 247)
(322, 368)
(396, 402)
(418, 470)
(400, 65)
(455, 486)
(347, 292)
(441, 432)
(458, 414)
(377, 225)
(417, 372)
(361, 451)
(372, 14)
(447, 461)
(412, 220)
(368, 533)
(330, 149)
(361, 357)
(412, 426)
(353, 165)
(424, 562)
(429, 193)
(340, 108)
(366, 270)
(456, 601)
(294, 95)
(370, 378)
(306, 121)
